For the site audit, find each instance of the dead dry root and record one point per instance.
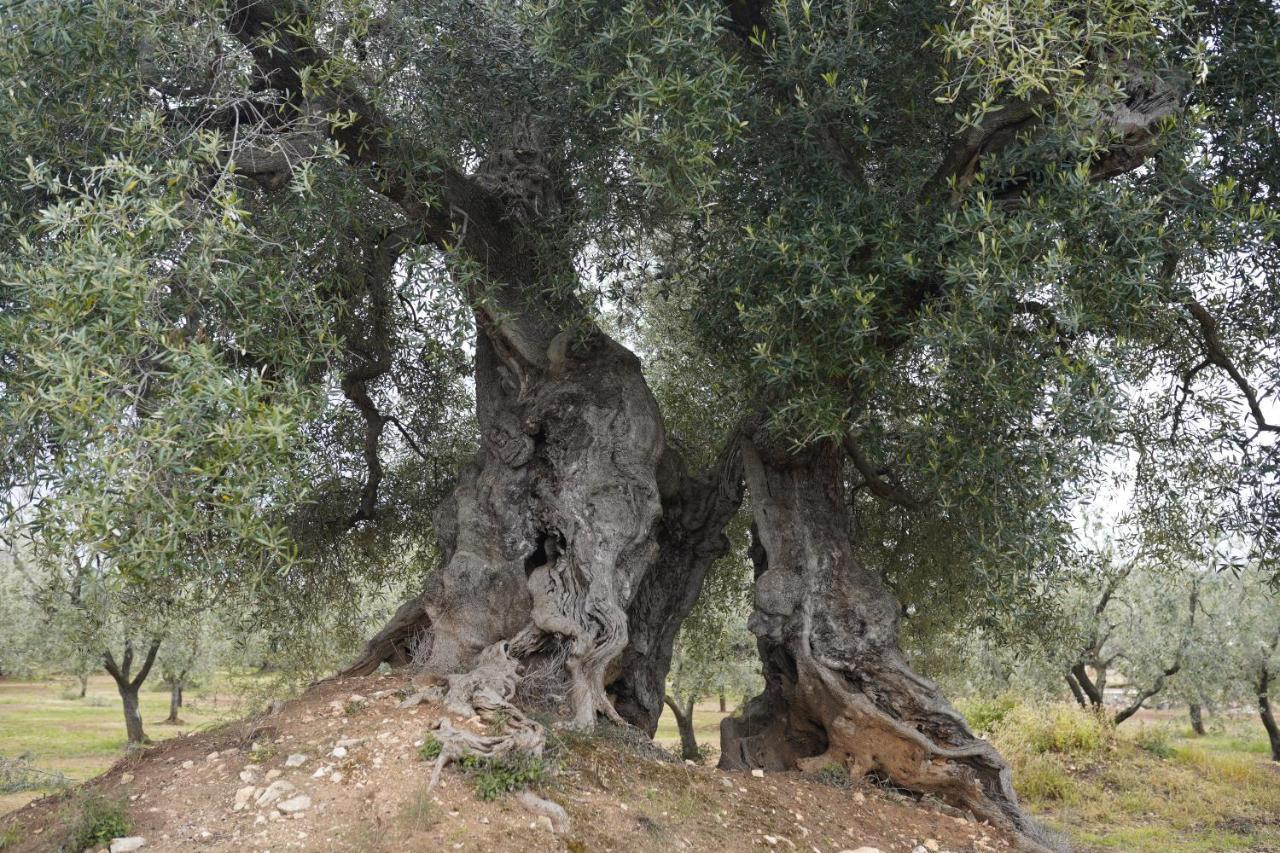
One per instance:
(484, 694)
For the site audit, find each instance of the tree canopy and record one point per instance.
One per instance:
(927, 272)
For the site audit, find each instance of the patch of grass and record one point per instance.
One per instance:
(1146, 789)
(420, 811)
(430, 749)
(984, 714)
(1057, 728)
(1042, 778)
(494, 776)
(10, 836)
(835, 775)
(1155, 740)
(81, 738)
(94, 820)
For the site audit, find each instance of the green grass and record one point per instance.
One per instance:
(706, 726)
(80, 738)
(1150, 786)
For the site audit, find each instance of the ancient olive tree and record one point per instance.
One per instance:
(923, 253)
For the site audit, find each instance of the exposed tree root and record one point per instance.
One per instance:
(486, 692)
(837, 689)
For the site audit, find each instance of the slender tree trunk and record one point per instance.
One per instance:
(132, 715)
(128, 688)
(837, 688)
(175, 702)
(684, 723)
(723, 709)
(1266, 713)
(84, 683)
(1076, 691)
(1197, 719)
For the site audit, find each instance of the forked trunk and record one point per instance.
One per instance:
(684, 724)
(129, 687)
(837, 688)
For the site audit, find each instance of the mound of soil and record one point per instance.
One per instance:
(339, 769)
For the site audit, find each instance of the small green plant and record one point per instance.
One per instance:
(10, 836)
(420, 811)
(984, 713)
(497, 775)
(1155, 740)
(352, 708)
(835, 775)
(430, 749)
(497, 723)
(95, 821)
(263, 751)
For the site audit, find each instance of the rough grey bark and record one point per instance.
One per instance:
(837, 688)
(552, 525)
(695, 511)
(128, 688)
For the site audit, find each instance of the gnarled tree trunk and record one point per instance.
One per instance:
(695, 511)
(552, 525)
(837, 688)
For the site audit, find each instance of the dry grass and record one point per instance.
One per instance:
(1151, 786)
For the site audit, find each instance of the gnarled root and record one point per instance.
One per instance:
(486, 692)
(837, 689)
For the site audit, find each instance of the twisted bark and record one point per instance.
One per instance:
(837, 688)
(553, 523)
(695, 511)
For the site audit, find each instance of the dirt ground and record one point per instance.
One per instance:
(363, 787)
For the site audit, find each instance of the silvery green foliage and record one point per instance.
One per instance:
(178, 247)
(989, 332)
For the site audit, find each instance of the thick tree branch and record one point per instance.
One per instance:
(1217, 354)
(433, 193)
(146, 664)
(874, 480)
